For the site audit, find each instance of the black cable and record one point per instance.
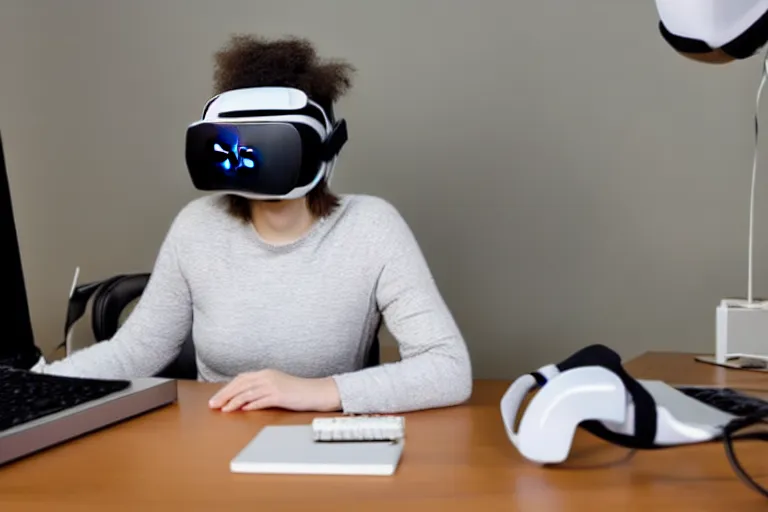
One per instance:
(729, 438)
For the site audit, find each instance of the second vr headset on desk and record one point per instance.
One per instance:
(263, 143)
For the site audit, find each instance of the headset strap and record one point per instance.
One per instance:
(335, 141)
(645, 406)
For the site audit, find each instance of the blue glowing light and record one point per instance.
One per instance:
(230, 156)
(247, 157)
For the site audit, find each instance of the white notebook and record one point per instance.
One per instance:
(292, 449)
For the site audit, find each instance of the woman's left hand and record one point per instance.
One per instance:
(271, 388)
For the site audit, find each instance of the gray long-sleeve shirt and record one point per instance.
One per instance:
(309, 309)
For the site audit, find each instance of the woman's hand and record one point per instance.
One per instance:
(271, 388)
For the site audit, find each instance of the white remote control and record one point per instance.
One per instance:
(359, 428)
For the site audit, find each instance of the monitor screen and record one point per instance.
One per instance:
(17, 346)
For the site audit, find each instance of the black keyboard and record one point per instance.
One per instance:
(27, 396)
(729, 400)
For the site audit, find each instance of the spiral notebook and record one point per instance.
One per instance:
(292, 449)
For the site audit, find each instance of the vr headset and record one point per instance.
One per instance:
(591, 390)
(263, 143)
(714, 30)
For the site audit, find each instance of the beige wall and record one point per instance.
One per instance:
(570, 179)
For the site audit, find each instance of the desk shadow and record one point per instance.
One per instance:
(596, 457)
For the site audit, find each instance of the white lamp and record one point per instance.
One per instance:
(742, 325)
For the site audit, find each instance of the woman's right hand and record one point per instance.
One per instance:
(271, 388)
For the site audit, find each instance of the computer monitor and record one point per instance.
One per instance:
(17, 342)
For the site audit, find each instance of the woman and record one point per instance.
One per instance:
(283, 298)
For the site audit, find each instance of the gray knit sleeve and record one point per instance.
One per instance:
(435, 369)
(152, 335)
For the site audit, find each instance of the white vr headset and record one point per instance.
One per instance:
(591, 390)
(263, 143)
(738, 28)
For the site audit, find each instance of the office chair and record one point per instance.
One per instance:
(113, 300)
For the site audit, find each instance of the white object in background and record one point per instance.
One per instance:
(716, 22)
(742, 325)
(292, 449)
(741, 330)
(359, 428)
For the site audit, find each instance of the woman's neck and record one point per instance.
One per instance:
(281, 222)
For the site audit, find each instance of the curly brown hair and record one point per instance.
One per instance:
(251, 61)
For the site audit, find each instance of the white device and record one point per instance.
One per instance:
(293, 449)
(741, 331)
(264, 143)
(591, 390)
(359, 428)
(720, 31)
(714, 22)
(742, 325)
(548, 425)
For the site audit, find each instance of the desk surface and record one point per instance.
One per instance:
(455, 459)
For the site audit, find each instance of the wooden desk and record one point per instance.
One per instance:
(455, 459)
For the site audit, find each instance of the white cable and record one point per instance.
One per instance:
(764, 75)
